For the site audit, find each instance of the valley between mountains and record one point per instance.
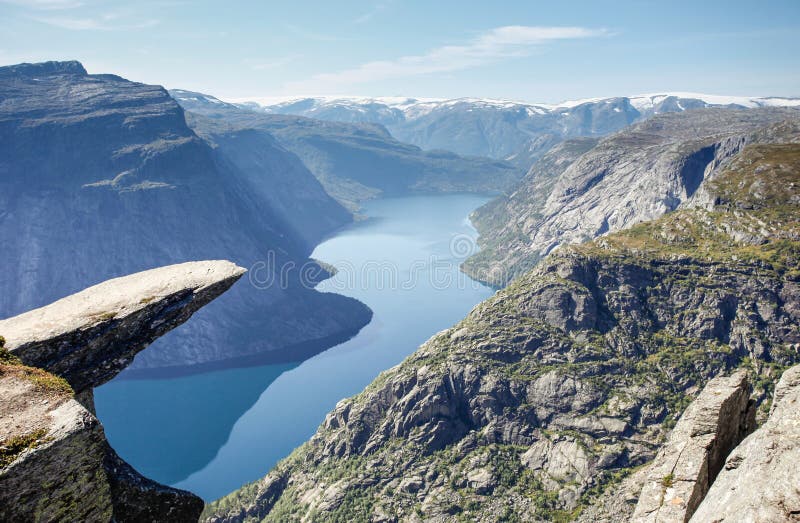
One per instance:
(619, 341)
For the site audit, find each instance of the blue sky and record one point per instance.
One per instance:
(526, 50)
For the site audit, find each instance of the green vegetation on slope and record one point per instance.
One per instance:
(581, 190)
(44, 381)
(16, 445)
(569, 379)
(754, 220)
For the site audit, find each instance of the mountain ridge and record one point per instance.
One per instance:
(409, 103)
(354, 160)
(502, 129)
(557, 388)
(586, 187)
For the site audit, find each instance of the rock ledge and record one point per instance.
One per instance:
(89, 337)
(56, 463)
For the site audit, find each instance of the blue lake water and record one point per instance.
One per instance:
(213, 432)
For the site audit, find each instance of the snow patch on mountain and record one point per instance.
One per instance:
(413, 107)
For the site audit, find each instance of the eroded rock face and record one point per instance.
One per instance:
(687, 464)
(60, 474)
(504, 403)
(761, 478)
(89, 337)
(139, 499)
(584, 189)
(70, 473)
(56, 463)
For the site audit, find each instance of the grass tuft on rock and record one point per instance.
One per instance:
(43, 380)
(12, 447)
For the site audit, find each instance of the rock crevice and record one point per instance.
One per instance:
(688, 463)
(761, 479)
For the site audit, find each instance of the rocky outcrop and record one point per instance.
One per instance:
(138, 499)
(53, 450)
(89, 337)
(55, 463)
(102, 176)
(567, 381)
(688, 463)
(531, 194)
(761, 480)
(582, 190)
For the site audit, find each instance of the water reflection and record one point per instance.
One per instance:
(211, 433)
(169, 428)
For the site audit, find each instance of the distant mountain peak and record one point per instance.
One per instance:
(73, 67)
(651, 100)
(412, 104)
(497, 128)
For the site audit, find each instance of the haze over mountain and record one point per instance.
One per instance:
(518, 131)
(101, 177)
(355, 160)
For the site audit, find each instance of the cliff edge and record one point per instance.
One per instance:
(55, 462)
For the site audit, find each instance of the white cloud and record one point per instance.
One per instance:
(45, 4)
(111, 21)
(84, 15)
(94, 24)
(377, 8)
(488, 47)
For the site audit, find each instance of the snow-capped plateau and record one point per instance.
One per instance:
(415, 107)
(496, 128)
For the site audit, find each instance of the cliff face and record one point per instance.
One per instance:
(688, 463)
(89, 337)
(583, 189)
(706, 473)
(760, 479)
(55, 463)
(557, 388)
(100, 176)
(278, 178)
(354, 161)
